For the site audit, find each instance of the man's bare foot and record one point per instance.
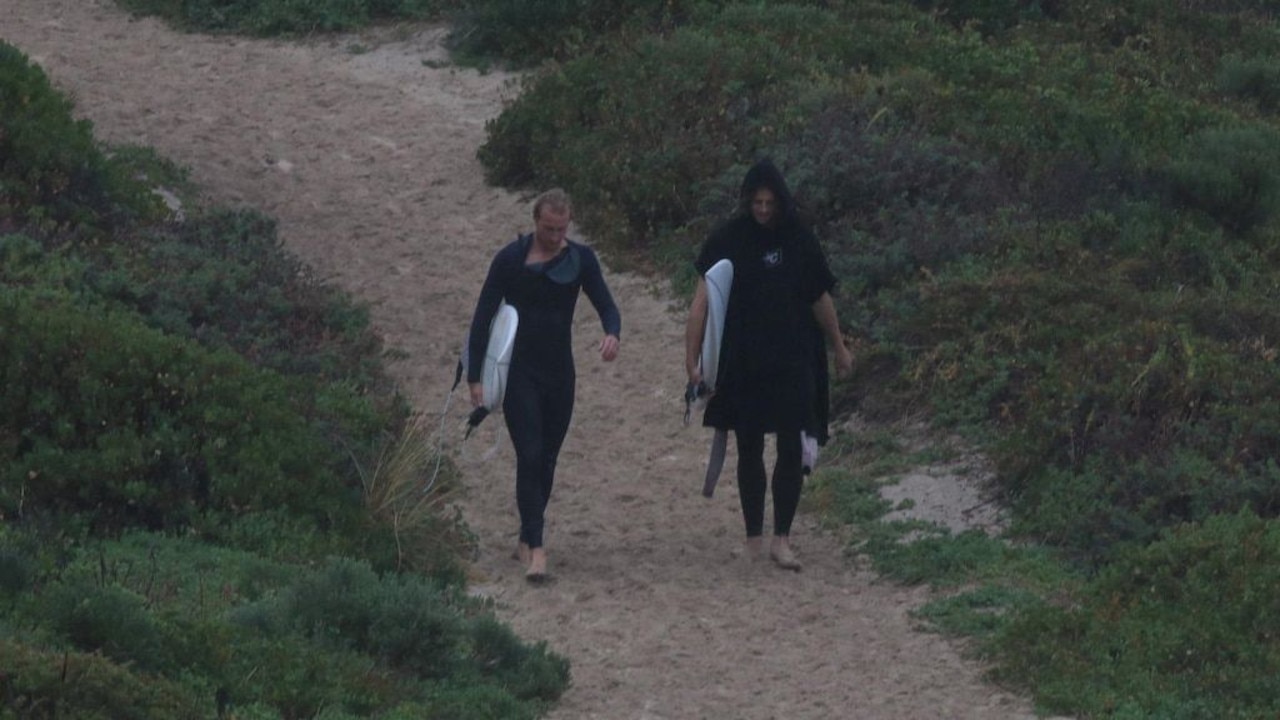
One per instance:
(521, 553)
(783, 557)
(537, 571)
(754, 548)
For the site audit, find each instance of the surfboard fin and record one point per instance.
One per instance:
(473, 421)
(715, 463)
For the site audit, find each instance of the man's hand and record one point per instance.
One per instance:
(609, 348)
(477, 394)
(844, 361)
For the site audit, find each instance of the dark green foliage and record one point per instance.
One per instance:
(283, 17)
(109, 620)
(990, 16)
(111, 417)
(1256, 79)
(16, 572)
(526, 34)
(42, 684)
(1231, 175)
(527, 671)
(53, 176)
(215, 628)
(1186, 627)
(413, 628)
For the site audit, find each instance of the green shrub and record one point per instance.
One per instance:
(53, 176)
(404, 622)
(42, 684)
(284, 17)
(528, 672)
(105, 619)
(1230, 174)
(990, 16)
(1256, 79)
(1187, 627)
(137, 427)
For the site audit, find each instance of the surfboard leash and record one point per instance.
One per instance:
(693, 392)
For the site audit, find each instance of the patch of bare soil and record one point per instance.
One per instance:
(363, 148)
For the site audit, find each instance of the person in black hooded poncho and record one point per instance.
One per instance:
(773, 368)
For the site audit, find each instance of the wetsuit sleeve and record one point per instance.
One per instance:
(491, 294)
(598, 292)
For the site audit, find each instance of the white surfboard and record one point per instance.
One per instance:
(497, 357)
(719, 280)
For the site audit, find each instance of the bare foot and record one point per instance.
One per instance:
(783, 557)
(521, 553)
(754, 548)
(537, 571)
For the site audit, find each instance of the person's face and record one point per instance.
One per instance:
(550, 227)
(764, 206)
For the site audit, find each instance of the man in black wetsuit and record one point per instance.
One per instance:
(540, 275)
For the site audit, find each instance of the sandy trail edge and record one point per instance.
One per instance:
(366, 157)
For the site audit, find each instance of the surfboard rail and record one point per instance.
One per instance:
(497, 356)
(719, 279)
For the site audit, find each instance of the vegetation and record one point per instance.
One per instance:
(1055, 227)
(212, 503)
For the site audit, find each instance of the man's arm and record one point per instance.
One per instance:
(824, 311)
(693, 331)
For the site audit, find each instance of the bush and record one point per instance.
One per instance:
(42, 684)
(1126, 648)
(1230, 175)
(1256, 79)
(269, 639)
(53, 176)
(109, 417)
(284, 17)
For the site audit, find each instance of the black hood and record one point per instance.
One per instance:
(765, 174)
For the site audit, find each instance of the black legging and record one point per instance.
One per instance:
(537, 416)
(787, 480)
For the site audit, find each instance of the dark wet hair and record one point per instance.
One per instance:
(764, 174)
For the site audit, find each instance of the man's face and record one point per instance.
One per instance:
(551, 226)
(764, 206)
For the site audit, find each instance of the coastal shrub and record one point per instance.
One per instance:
(251, 635)
(284, 17)
(1230, 174)
(53, 175)
(1256, 79)
(1124, 646)
(107, 416)
(46, 683)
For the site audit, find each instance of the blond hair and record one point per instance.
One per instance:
(556, 199)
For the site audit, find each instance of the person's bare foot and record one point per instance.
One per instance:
(754, 548)
(521, 553)
(783, 557)
(537, 571)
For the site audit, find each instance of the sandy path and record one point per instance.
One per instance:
(367, 160)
